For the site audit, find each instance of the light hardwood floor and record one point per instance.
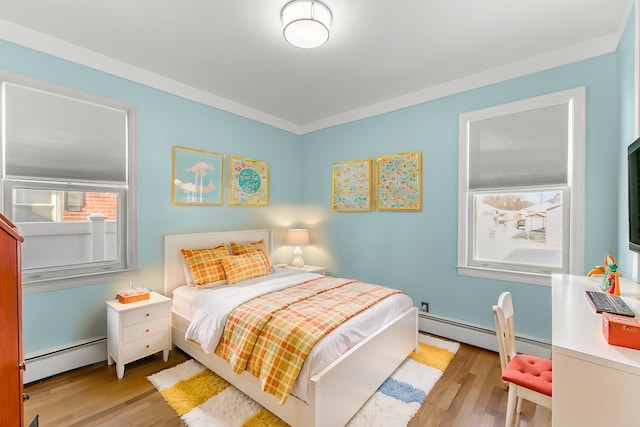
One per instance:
(469, 394)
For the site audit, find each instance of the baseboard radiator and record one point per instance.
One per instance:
(56, 360)
(479, 336)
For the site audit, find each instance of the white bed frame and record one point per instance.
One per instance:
(336, 393)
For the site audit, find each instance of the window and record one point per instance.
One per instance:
(521, 176)
(67, 181)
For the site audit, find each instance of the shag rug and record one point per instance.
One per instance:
(203, 399)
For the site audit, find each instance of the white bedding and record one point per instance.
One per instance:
(208, 309)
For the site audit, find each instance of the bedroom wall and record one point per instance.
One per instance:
(628, 122)
(417, 251)
(56, 319)
(413, 251)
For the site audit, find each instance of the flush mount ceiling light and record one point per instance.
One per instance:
(305, 23)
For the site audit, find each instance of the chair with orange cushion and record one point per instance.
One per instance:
(527, 377)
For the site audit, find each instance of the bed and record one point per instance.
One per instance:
(332, 395)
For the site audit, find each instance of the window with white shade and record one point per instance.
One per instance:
(67, 174)
(521, 187)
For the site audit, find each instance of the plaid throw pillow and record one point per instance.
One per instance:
(204, 264)
(252, 264)
(243, 248)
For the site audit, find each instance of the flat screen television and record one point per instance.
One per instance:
(634, 195)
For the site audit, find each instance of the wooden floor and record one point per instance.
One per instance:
(470, 393)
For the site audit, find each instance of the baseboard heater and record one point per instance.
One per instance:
(56, 360)
(477, 335)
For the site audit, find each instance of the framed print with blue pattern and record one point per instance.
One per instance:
(248, 182)
(352, 186)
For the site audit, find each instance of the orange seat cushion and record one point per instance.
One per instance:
(531, 372)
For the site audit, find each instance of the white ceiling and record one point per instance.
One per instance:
(382, 54)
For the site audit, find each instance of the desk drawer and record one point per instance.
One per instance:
(144, 347)
(146, 329)
(145, 314)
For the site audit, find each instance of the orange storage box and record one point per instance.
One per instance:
(127, 297)
(621, 330)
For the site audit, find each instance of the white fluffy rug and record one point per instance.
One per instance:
(203, 399)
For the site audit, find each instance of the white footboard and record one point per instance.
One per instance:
(340, 390)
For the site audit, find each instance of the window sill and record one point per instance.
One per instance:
(52, 284)
(542, 279)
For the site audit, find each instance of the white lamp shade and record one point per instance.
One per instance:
(298, 237)
(305, 23)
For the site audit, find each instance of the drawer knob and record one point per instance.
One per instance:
(147, 330)
(147, 345)
(147, 314)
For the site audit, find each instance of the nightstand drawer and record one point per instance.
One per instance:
(146, 329)
(145, 314)
(144, 347)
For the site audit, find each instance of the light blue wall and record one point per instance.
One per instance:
(626, 93)
(57, 318)
(417, 251)
(414, 251)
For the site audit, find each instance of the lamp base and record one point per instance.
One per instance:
(297, 260)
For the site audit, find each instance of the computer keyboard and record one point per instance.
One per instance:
(602, 301)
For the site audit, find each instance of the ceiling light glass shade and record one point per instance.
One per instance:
(305, 23)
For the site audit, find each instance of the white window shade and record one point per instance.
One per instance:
(527, 148)
(50, 136)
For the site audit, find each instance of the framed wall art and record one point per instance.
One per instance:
(248, 182)
(352, 186)
(197, 177)
(399, 181)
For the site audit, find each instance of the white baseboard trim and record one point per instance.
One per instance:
(43, 364)
(479, 336)
(53, 361)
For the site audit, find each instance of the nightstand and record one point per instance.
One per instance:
(138, 329)
(310, 269)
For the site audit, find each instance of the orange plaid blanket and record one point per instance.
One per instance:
(271, 336)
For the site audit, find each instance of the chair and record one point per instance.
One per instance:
(527, 377)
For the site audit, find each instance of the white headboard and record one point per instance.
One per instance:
(173, 271)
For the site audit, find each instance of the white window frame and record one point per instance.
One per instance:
(573, 194)
(37, 280)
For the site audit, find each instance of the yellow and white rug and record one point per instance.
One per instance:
(203, 399)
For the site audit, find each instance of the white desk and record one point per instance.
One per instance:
(594, 383)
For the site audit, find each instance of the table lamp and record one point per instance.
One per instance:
(297, 237)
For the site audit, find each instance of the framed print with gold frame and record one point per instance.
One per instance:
(196, 177)
(352, 186)
(399, 181)
(248, 182)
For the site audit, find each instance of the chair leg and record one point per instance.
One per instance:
(519, 405)
(511, 405)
